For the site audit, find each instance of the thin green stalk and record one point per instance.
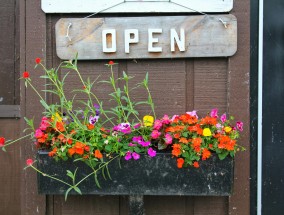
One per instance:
(49, 176)
(9, 143)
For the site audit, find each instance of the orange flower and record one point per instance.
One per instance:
(60, 126)
(98, 154)
(79, 148)
(208, 121)
(180, 162)
(71, 151)
(69, 141)
(53, 152)
(226, 142)
(177, 135)
(176, 150)
(183, 140)
(90, 126)
(205, 154)
(186, 118)
(196, 164)
(196, 144)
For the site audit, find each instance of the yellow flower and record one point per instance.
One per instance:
(207, 132)
(57, 117)
(148, 121)
(227, 129)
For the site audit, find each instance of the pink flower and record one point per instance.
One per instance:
(166, 119)
(131, 144)
(38, 133)
(240, 125)
(223, 118)
(135, 155)
(214, 113)
(151, 152)
(155, 134)
(128, 156)
(44, 123)
(137, 126)
(29, 162)
(168, 139)
(157, 124)
(193, 113)
(144, 144)
(174, 117)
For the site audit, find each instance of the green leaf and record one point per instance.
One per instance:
(78, 190)
(223, 155)
(70, 174)
(66, 193)
(97, 181)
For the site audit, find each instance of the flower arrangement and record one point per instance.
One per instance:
(97, 136)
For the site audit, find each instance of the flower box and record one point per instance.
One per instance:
(146, 176)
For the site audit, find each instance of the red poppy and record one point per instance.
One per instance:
(110, 62)
(37, 60)
(29, 162)
(26, 74)
(2, 141)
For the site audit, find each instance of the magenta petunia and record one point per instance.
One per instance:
(158, 124)
(128, 156)
(168, 139)
(240, 125)
(144, 144)
(131, 144)
(38, 133)
(138, 125)
(151, 152)
(135, 155)
(155, 134)
(214, 113)
(166, 120)
(223, 118)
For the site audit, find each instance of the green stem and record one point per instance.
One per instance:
(49, 176)
(9, 143)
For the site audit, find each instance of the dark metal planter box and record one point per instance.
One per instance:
(146, 176)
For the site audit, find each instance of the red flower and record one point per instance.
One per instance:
(180, 162)
(37, 60)
(110, 62)
(98, 154)
(2, 141)
(196, 164)
(29, 162)
(26, 74)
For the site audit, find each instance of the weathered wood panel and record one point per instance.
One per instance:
(10, 169)
(33, 40)
(7, 55)
(135, 6)
(238, 105)
(205, 36)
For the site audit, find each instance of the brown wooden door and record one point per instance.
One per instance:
(178, 85)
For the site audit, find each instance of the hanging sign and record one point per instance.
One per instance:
(147, 37)
(135, 6)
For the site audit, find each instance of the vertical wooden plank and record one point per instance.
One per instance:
(168, 205)
(210, 206)
(10, 168)
(7, 44)
(189, 84)
(166, 83)
(33, 44)
(87, 205)
(210, 84)
(238, 104)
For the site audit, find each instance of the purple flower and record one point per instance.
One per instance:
(240, 125)
(135, 155)
(223, 118)
(214, 113)
(151, 152)
(137, 139)
(144, 144)
(157, 124)
(97, 107)
(93, 119)
(155, 134)
(128, 156)
(168, 139)
(193, 113)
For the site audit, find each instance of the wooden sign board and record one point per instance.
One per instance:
(147, 37)
(135, 6)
